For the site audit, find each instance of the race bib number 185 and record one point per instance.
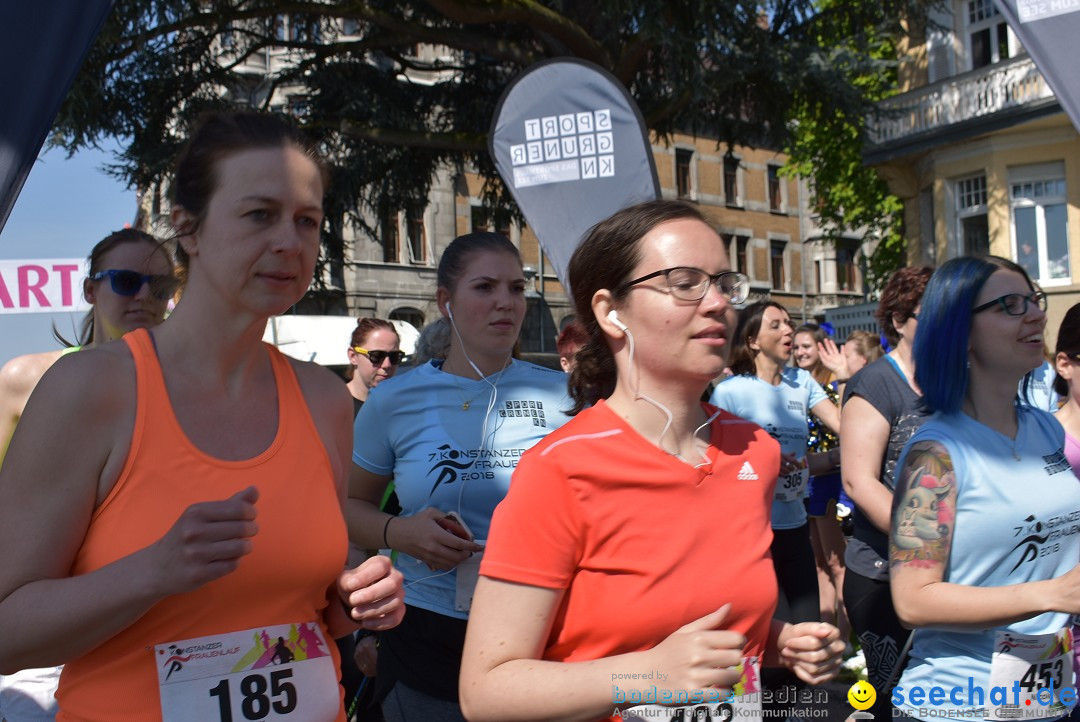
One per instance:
(283, 672)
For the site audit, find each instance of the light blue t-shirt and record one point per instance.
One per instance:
(781, 410)
(1040, 390)
(413, 427)
(1016, 521)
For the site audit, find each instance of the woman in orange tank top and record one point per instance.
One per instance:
(171, 506)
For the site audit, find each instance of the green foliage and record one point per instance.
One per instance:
(727, 69)
(849, 198)
(828, 137)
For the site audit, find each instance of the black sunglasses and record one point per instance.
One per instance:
(1015, 304)
(128, 283)
(377, 357)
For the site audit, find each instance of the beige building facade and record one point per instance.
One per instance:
(759, 213)
(981, 154)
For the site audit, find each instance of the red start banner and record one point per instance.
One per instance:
(42, 285)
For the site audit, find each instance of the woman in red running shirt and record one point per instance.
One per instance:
(629, 563)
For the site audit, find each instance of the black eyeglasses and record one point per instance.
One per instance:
(128, 283)
(377, 357)
(691, 284)
(1015, 304)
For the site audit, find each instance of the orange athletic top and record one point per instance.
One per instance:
(642, 542)
(296, 555)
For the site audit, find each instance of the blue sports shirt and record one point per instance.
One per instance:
(781, 410)
(414, 428)
(1040, 388)
(1016, 521)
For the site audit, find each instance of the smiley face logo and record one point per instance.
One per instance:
(862, 695)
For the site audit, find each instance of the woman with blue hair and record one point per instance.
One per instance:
(983, 548)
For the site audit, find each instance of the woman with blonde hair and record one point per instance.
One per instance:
(861, 348)
(816, 353)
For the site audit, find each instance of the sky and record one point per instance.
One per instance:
(66, 206)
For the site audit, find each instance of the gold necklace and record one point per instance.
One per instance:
(465, 403)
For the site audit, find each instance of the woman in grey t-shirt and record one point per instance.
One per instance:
(881, 412)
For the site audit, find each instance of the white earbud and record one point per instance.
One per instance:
(449, 312)
(613, 316)
(634, 379)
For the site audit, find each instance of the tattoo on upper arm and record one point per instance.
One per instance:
(924, 508)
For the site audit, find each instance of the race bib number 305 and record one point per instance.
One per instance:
(283, 672)
(792, 487)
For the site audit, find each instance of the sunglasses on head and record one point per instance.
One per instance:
(128, 283)
(377, 357)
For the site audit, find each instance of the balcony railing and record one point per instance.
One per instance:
(979, 93)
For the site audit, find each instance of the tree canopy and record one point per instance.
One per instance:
(738, 71)
(825, 146)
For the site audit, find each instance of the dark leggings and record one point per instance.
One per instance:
(882, 637)
(796, 575)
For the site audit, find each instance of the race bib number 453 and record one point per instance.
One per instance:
(283, 672)
(1041, 663)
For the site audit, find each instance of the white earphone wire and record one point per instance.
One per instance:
(492, 400)
(635, 387)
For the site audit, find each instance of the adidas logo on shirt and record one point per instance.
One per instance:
(747, 473)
